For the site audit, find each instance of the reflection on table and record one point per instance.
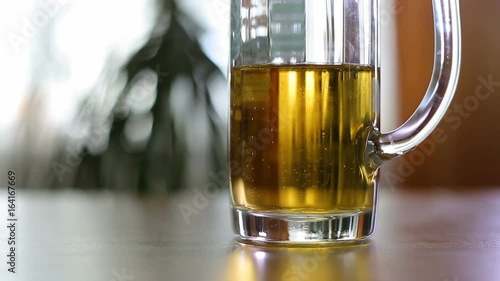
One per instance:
(256, 263)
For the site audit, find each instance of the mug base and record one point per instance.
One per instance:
(259, 227)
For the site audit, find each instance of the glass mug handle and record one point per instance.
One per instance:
(447, 58)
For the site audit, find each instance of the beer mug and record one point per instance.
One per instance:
(305, 146)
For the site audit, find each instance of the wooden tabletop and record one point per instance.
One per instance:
(426, 235)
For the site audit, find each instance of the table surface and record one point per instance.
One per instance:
(428, 234)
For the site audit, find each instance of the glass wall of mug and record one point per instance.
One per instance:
(304, 96)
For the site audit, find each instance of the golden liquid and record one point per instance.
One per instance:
(297, 138)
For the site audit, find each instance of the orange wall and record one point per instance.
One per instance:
(471, 154)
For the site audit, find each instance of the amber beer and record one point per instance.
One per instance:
(297, 134)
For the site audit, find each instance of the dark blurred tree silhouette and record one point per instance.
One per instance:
(172, 50)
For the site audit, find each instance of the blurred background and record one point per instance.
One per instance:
(112, 95)
(469, 156)
(132, 95)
